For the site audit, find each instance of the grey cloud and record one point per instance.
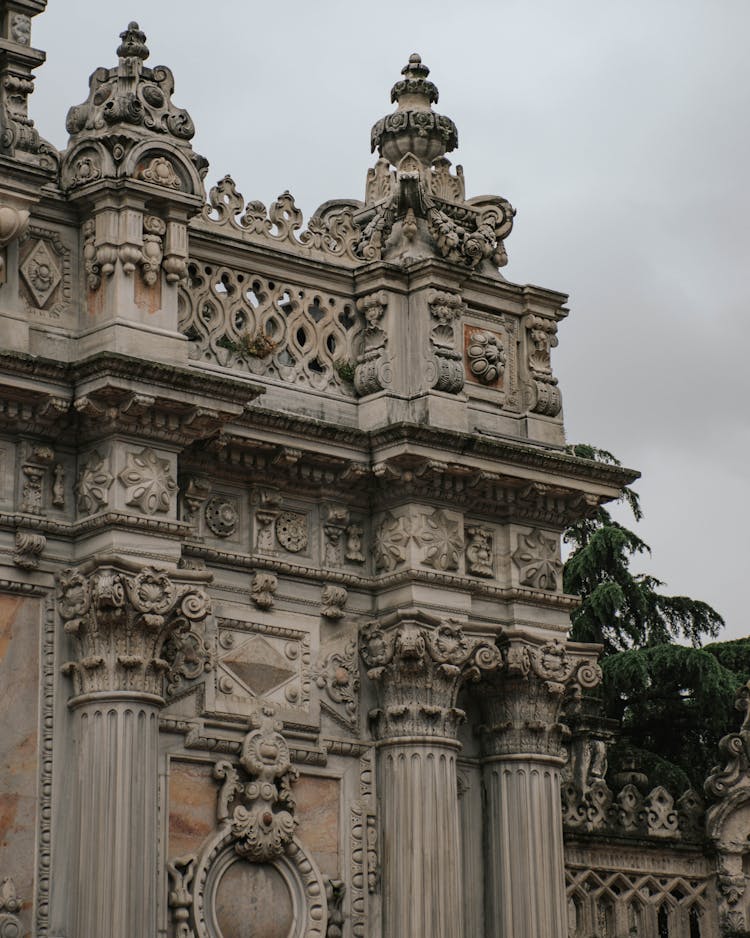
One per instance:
(619, 132)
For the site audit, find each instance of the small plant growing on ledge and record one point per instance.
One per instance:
(344, 369)
(259, 345)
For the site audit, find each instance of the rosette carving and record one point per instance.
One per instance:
(419, 665)
(129, 627)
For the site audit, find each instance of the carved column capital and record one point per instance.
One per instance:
(121, 617)
(419, 669)
(522, 703)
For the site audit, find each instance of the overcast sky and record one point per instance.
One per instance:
(621, 134)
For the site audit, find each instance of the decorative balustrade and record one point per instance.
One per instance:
(241, 320)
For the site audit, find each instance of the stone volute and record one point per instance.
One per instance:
(414, 127)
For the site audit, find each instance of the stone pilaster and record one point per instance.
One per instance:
(125, 622)
(522, 757)
(419, 665)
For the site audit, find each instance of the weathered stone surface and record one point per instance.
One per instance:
(291, 494)
(20, 624)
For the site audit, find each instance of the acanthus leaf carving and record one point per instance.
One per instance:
(28, 549)
(263, 589)
(541, 339)
(121, 621)
(338, 676)
(523, 701)
(10, 906)
(419, 671)
(332, 601)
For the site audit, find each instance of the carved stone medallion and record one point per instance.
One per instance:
(291, 531)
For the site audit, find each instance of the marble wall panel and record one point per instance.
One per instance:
(318, 811)
(20, 620)
(192, 806)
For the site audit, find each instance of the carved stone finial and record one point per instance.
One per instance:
(133, 44)
(414, 127)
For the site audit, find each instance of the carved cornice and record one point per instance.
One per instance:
(120, 617)
(521, 704)
(419, 664)
(115, 393)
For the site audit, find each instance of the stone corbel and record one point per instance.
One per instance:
(175, 252)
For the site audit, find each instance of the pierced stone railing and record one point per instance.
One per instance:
(247, 322)
(608, 903)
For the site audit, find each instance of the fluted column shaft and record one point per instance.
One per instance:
(421, 851)
(418, 666)
(127, 624)
(522, 757)
(525, 868)
(116, 818)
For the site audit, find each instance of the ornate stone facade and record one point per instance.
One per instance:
(282, 621)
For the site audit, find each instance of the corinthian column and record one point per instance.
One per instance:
(419, 665)
(121, 619)
(521, 740)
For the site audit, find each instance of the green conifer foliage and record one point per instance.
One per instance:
(621, 609)
(673, 701)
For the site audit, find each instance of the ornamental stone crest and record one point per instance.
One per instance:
(258, 805)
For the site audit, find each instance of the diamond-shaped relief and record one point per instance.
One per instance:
(259, 666)
(41, 272)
